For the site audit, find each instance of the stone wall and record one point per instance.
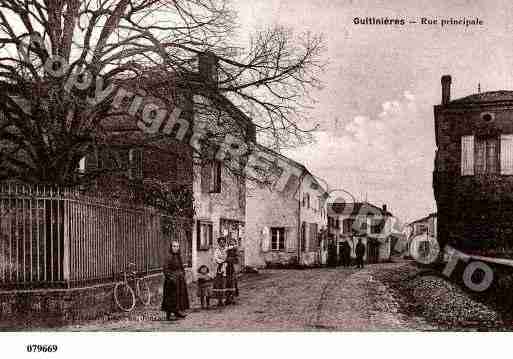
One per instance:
(267, 209)
(53, 307)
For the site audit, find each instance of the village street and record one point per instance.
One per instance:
(311, 299)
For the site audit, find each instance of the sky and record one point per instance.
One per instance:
(375, 110)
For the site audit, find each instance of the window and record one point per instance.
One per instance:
(211, 177)
(313, 242)
(135, 169)
(467, 155)
(308, 200)
(486, 155)
(337, 224)
(361, 225)
(278, 238)
(487, 116)
(205, 235)
(82, 165)
(347, 225)
(302, 244)
(377, 225)
(481, 155)
(215, 184)
(506, 154)
(422, 228)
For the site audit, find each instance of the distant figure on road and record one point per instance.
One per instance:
(332, 254)
(360, 252)
(345, 254)
(175, 297)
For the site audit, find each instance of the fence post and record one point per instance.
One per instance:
(66, 244)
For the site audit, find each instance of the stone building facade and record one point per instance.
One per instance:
(216, 206)
(284, 227)
(473, 176)
(349, 222)
(420, 234)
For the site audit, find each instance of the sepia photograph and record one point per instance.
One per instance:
(294, 167)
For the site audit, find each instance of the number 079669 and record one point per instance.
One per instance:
(41, 348)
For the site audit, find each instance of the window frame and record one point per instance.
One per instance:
(484, 143)
(215, 176)
(348, 227)
(280, 240)
(377, 223)
(204, 245)
(135, 163)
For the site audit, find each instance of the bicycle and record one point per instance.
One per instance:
(124, 294)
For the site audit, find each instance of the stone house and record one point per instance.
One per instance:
(216, 206)
(348, 222)
(78, 241)
(283, 227)
(423, 225)
(422, 230)
(473, 175)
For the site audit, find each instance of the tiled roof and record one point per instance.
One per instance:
(358, 208)
(490, 96)
(423, 219)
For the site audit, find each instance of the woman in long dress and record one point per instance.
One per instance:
(175, 297)
(219, 287)
(232, 257)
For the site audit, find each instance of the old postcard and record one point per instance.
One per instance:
(265, 166)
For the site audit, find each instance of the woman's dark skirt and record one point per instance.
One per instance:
(225, 287)
(175, 296)
(232, 289)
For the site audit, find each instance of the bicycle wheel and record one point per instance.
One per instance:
(143, 292)
(124, 297)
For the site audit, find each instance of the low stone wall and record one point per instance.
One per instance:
(310, 259)
(53, 307)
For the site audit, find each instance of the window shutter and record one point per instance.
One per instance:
(198, 235)
(290, 240)
(266, 240)
(480, 156)
(206, 173)
(91, 162)
(506, 154)
(467, 155)
(135, 160)
(215, 181)
(82, 165)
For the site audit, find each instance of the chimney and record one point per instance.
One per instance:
(207, 64)
(446, 89)
(384, 208)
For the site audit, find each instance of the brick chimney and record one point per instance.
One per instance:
(384, 208)
(446, 89)
(207, 65)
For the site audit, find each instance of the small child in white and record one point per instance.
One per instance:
(205, 282)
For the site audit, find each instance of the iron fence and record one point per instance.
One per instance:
(51, 236)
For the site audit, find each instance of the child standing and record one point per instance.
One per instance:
(204, 286)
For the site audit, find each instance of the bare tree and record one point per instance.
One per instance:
(58, 58)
